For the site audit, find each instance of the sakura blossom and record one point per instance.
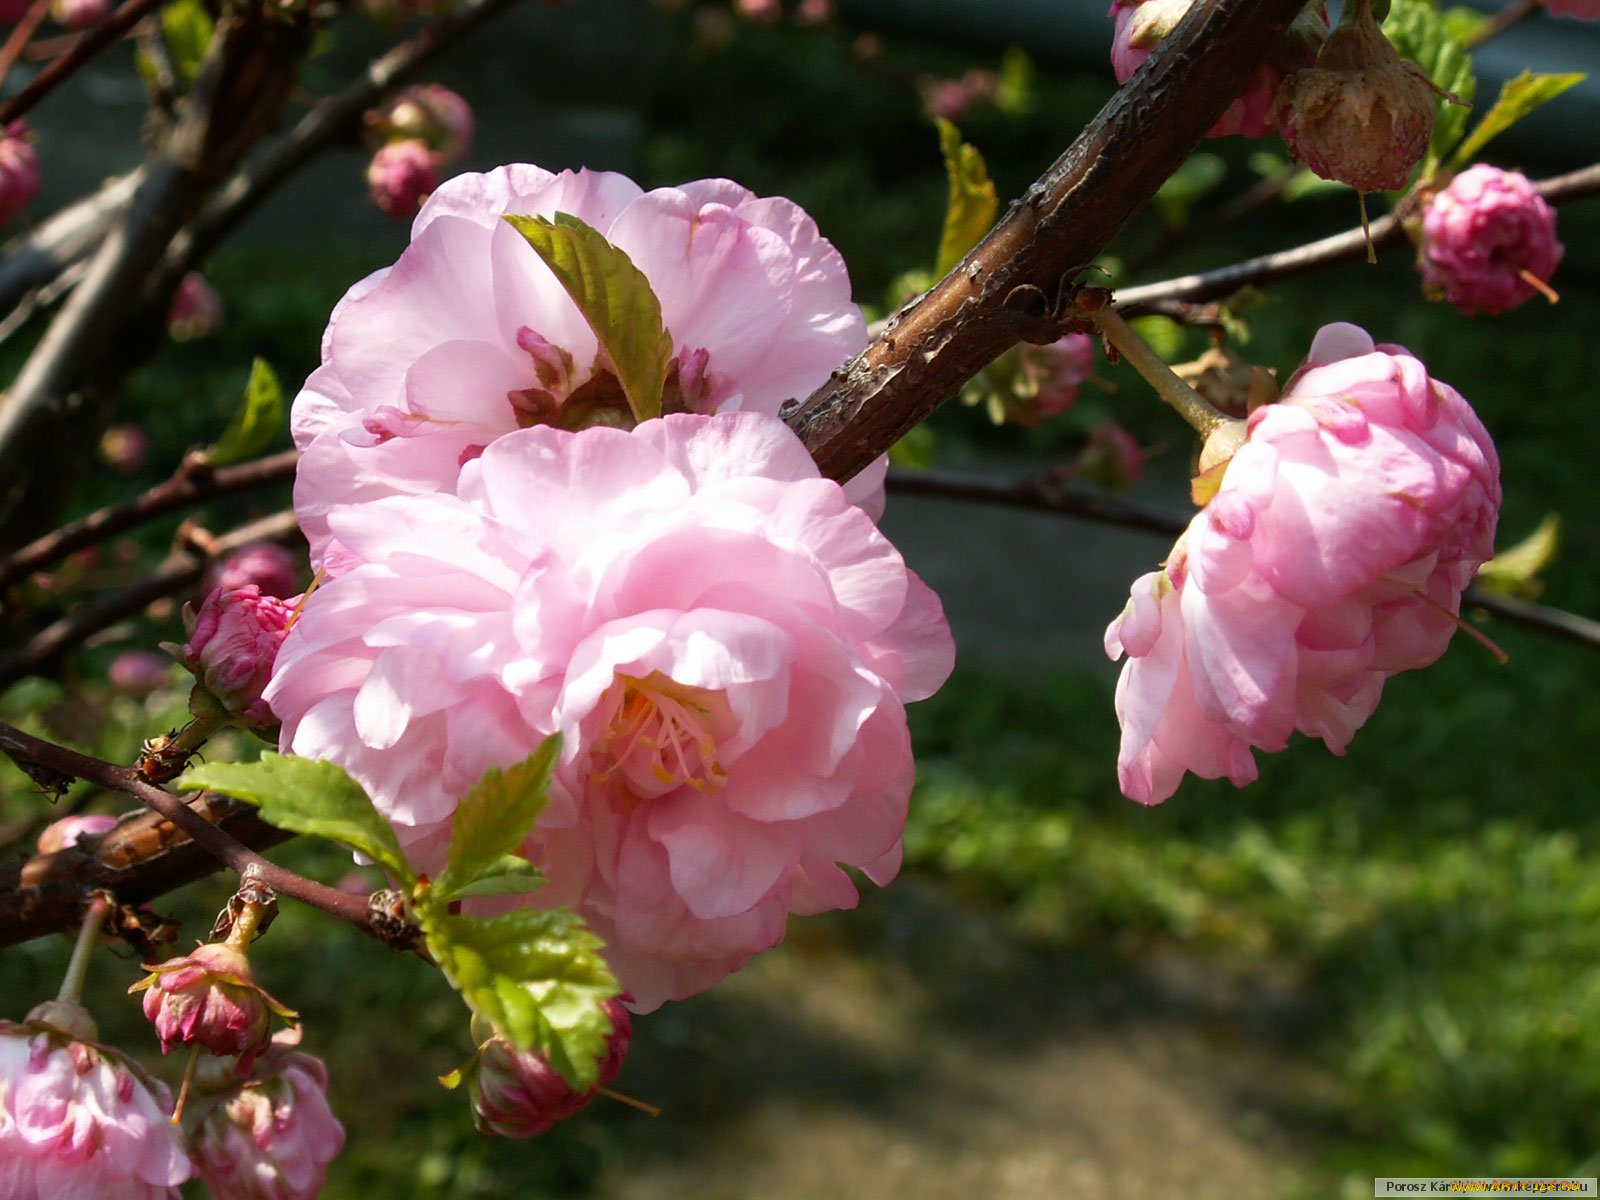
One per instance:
(270, 1137)
(233, 639)
(209, 997)
(79, 1119)
(401, 176)
(518, 1095)
(273, 568)
(427, 112)
(469, 336)
(724, 640)
(196, 309)
(19, 170)
(1332, 556)
(1487, 240)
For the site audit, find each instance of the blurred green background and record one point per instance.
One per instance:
(1382, 964)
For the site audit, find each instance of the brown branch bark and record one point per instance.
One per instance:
(1009, 287)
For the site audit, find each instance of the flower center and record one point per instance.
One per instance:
(656, 735)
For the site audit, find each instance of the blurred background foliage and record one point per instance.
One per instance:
(1387, 963)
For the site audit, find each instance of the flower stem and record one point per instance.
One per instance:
(78, 966)
(1191, 406)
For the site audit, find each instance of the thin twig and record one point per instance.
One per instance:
(217, 842)
(186, 488)
(18, 39)
(86, 47)
(181, 569)
(1341, 247)
(1503, 20)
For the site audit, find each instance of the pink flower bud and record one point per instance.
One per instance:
(1112, 458)
(232, 643)
(1483, 237)
(1361, 115)
(401, 176)
(1331, 556)
(125, 447)
(946, 99)
(814, 12)
(762, 12)
(139, 672)
(1053, 374)
(79, 14)
(64, 834)
(427, 112)
(1141, 25)
(79, 1119)
(19, 170)
(270, 1138)
(273, 568)
(196, 309)
(519, 1095)
(210, 998)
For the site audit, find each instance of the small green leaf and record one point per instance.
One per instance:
(187, 27)
(1515, 571)
(256, 422)
(972, 204)
(615, 299)
(517, 882)
(1518, 97)
(1017, 94)
(495, 816)
(537, 977)
(307, 795)
(1420, 33)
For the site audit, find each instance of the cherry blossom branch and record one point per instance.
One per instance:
(102, 864)
(191, 484)
(63, 239)
(1014, 285)
(1340, 247)
(181, 569)
(1047, 495)
(88, 44)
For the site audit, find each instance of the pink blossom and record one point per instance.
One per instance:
(79, 1119)
(1333, 556)
(273, 1137)
(518, 1095)
(139, 672)
(196, 309)
(1483, 236)
(1140, 27)
(232, 642)
(1584, 10)
(762, 12)
(723, 639)
(1052, 374)
(401, 176)
(469, 336)
(427, 112)
(19, 170)
(79, 14)
(273, 568)
(64, 834)
(210, 998)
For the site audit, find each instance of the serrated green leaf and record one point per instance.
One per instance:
(972, 205)
(615, 299)
(1420, 33)
(1518, 97)
(187, 27)
(307, 795)
(537, 977)
(1516, 570)
(503, 883)
(494, 817)
(1198, 175)
(257, 421)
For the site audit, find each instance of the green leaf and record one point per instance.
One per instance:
(615, 299)
(537, 977)
(307, 795)
(187, 27)
(1420, 33)
(1518, 97)
(495, 816)
(518, 878)
(1516, 571)
(1017, 94)
(972, 204)
(257, 421)
(1199, 174)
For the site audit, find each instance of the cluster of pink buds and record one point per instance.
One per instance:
(421, 130)
(19, 170)
(952, 99)
(520, 1095)
(233, 641)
